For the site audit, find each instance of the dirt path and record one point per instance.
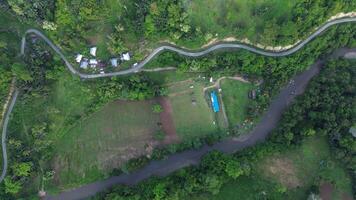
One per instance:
(217, 82)
(326, 190)
(167, 121)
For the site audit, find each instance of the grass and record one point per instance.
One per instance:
(245, 187)
(105, 140)
(235, 97)
(306, 166)
(303, 163)
(191, 120)
(236, 17)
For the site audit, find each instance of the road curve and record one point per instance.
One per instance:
(194, 155)
(186, 52)
(4, 131)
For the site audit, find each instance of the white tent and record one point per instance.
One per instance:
(93, 51)
(125, 56)
(79, 58)
(84, 64)
(93, 62)
(113, 62)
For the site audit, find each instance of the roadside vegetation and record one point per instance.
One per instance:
(140, 25)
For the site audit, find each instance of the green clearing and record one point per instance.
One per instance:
(238, 18)
(191, 119)
(245, 187)
(235, 97)
(298, 169)
(105, 140)
(295, 170)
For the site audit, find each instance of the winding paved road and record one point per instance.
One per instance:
(3, 136)
(191, 157)
(185, 52)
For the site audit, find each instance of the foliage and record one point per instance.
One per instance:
(159, 135)
(218, 168)
(156, 108)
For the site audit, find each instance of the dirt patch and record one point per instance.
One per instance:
(346, 197)
(326, 190)
(283, 170)
(167, 121)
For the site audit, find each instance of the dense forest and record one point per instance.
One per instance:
(326, 108)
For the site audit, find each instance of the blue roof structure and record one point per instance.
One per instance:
(215, 101)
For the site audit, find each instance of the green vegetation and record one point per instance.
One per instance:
(118, 26)
(288, 175)
(192, 114)
(323, 110)
(244, 19)
(236, 101)
(55, 110)
(108, 138)
(50, 104)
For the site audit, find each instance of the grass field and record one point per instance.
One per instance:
(235, 97)
(236, 17)
(191, 119)
(299, 168)
(296, 170)
(118, 132)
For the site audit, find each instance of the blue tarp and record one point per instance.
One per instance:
(214, 101)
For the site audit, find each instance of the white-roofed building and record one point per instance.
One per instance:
(125, 57)
(78, 58)
(93, 62)
(114, 62)
(93, 51)
(84, 64)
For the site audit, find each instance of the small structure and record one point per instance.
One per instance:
(135, 64)
(84, 64)
(211, 79)
(93, 51)
(125, 57)
(353, 131)
(214, 101)
(252, 94)
(114, 62)
(93, 62)
(78, 58)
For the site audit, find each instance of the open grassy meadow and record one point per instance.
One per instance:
(192, 115)
(111, 136)
(235, 97)
(236, 18)
(294, 172)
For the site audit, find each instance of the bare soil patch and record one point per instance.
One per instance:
(167, 121)
(284, 171)
(326, 190)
